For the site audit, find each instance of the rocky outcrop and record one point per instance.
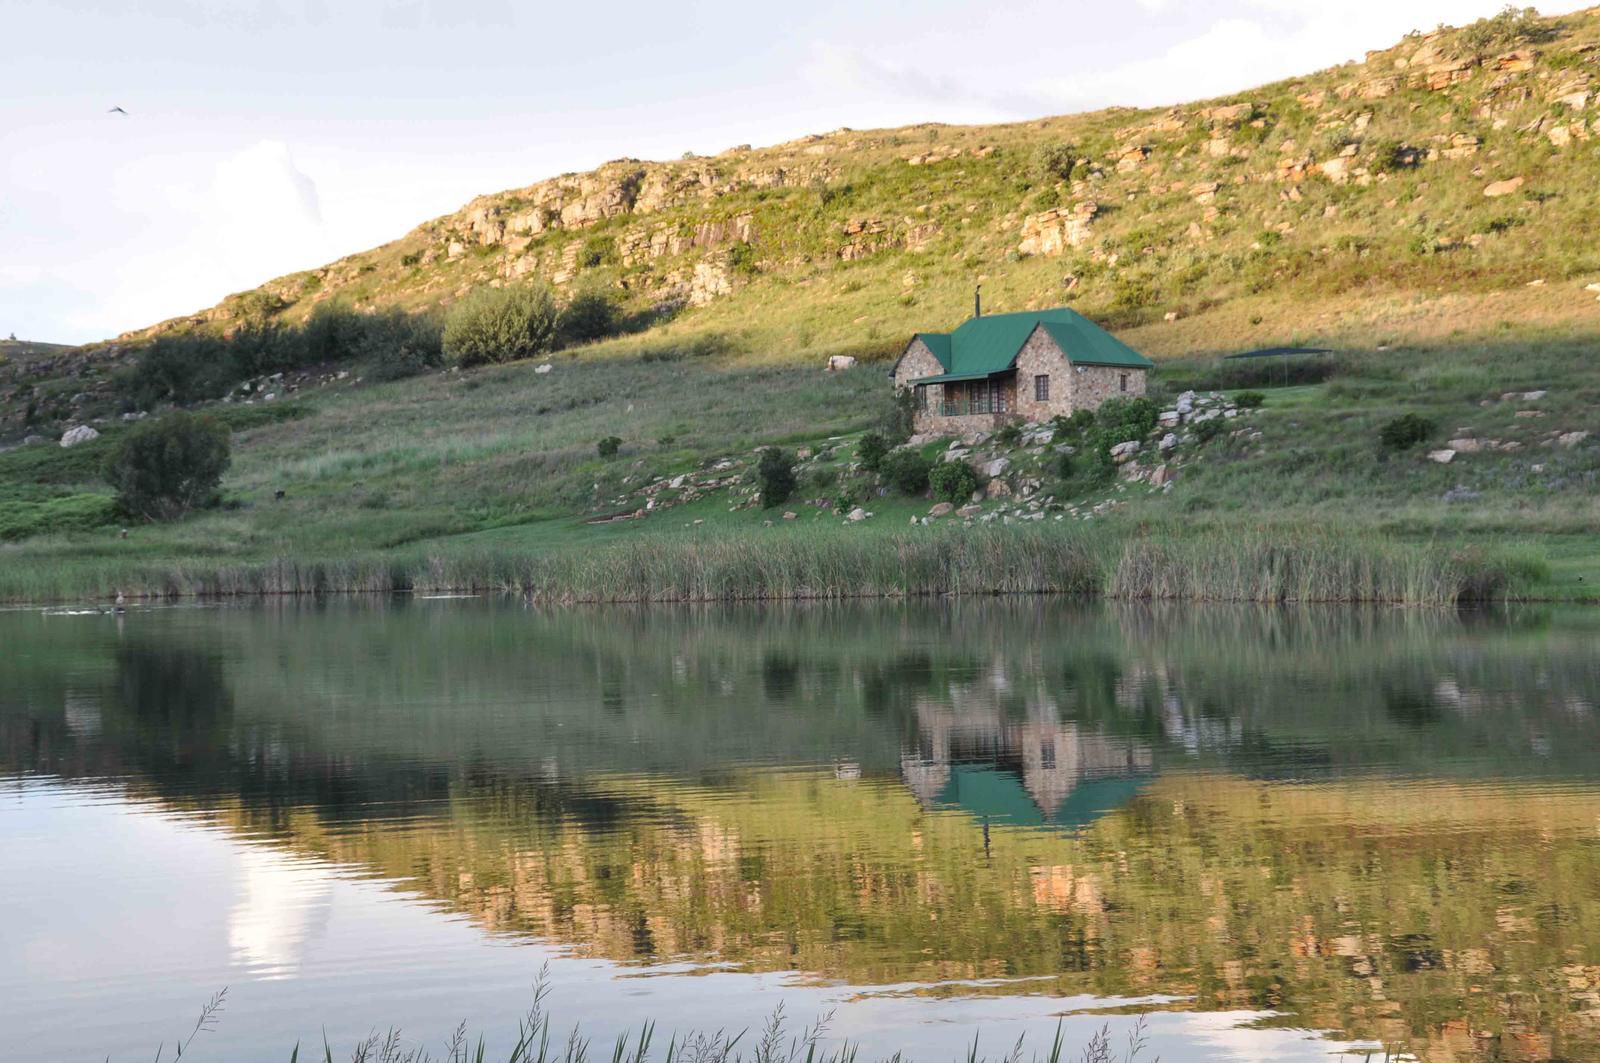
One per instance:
(81, 434)
(1053, 231)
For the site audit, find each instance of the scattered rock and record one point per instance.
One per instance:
(81, 434)
(837, 362)
(1168, 442)
(969, 511)
(790, 514)
(941, 509)
(1465, 446)
(29, 441)
(1162, 475)
(997, 489)
(858, 514)
(543, 367)
(997, 467)
(1503, 188)
(1442, 457)
(1124, 452)
(1571, 439)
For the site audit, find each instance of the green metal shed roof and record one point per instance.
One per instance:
(983, 346)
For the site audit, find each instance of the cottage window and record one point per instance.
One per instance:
(1122, 381)
(1041, 388)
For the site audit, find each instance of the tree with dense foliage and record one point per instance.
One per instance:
(953, 481)
(1406, 431)
(500, 325)
(775, 473)
(872, 450)
(907, 471)
(170, 465)
(588, 316)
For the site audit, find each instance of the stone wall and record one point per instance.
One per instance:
(1094, 384)
(1040, 355)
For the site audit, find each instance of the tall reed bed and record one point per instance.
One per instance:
(1244, 566)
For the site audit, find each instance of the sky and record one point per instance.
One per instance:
(266, 136)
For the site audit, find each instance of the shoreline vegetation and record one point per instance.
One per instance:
(773, 1043)
(1072, 561)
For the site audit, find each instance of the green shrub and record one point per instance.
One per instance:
(1249, 400)
(500, 325)
(1073, 425)
(871, 451)
(1406, 431)
(1009, 434)
(900, 416)
(742, 260)
(1054, 162)
(609, 446)
(180, 369)
(588, 316)
(1206, 431)
(953, 481)
(908, 471)
(63, 513)
(775, 475)
(1120, 420)
(598, 250)
(394, 344)
(167, 466)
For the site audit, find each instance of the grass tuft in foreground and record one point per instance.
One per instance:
(774, 1044)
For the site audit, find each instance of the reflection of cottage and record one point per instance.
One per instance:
(1033, 772)
(1028, 366)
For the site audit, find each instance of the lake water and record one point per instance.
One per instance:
(1280, 835)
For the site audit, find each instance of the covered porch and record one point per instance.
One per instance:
(953, 395)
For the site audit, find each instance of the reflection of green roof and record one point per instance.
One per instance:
(999, 797)
(984, 346)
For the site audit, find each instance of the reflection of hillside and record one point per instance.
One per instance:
(784, 791)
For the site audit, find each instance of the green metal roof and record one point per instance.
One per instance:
(951, 378)
(984, 346)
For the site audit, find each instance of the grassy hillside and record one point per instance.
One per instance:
(1349, 208)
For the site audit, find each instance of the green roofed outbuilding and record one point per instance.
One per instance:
(1028, 366)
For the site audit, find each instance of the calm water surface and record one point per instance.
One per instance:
(1283, 835)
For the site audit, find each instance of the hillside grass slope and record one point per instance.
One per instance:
(1428, 213)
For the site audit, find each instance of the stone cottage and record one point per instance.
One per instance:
(1027, 366)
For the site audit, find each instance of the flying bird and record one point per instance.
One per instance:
(117, 110)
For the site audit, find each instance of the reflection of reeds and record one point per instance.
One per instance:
(774, 1044)
(806, 563)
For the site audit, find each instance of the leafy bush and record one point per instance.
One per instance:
(1206, 431)
(63, 513)
(742, 260)
(908, 471)
(180, 369)
(500, 325)
(609, 446)
(1120, 420)
(1054, 162)
(1406, 431)
(1249, 400)
(597, 250)
(588, 316)
(1503, 30)
(871, 451)
(953, 481)
(900, 417)
(1074, 424)
(168, 466)
(775, 475)
(395, 344)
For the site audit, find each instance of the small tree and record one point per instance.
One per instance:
(609, 446)
(907, 471)
(1054, 162)
(169, 466)
(587, 317)
(500, 325)
(872, 450)
(775, 474)
(953, 481)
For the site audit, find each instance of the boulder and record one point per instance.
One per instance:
(543, 368)
(81, 434)
(1162, 475)
(1168, 442)
(942, 509)
(1442, 457)
(1465, 446)
(997, 489)
(954, 454)
(858, 514)
(1124, 452)
(997, 467)
(1503, 188)
(29, 441)
(1571, 439)
(837, 362)
(790, 514)
(969, 511)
